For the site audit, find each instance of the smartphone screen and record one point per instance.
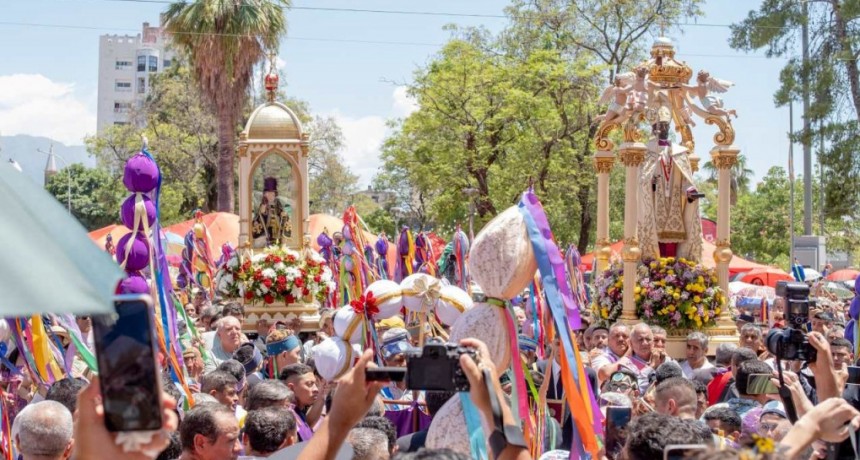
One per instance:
(681, 451)
(853, 375)
(128, 373)
(760, 384)
(385, 374)
(617, 419)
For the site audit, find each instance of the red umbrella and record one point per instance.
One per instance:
(846, 274)
(766, 276)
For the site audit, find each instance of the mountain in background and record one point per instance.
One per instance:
(22, 148)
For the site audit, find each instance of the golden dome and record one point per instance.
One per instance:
(273, 120)
(663, 68)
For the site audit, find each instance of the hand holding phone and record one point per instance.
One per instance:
(385, 374)
(617, 419)
(129, 376)
(760, 384)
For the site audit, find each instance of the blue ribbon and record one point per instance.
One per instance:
(4, 349)
(477, 441)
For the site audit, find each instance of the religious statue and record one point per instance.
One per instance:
(669, 224)
(616, 96)
(705, 86)
(271, 224)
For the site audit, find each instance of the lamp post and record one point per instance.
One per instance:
(51, 169)
(471, 192)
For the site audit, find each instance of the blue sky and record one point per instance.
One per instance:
(48, 75)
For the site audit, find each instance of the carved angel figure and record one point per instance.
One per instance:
(638, 99)
(705, 85)
(616, 96)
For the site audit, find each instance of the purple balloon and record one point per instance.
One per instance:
(135, 283)
(324, 241)
(126, 211)
(857, 286)
(849, 331)
(138, 256)
(141, 174)
(382, 246)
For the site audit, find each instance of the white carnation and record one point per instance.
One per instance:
(269, 273)
(263, 289)
(290, 252)
(325, 276)
(292, 273)
(280, 266)
(258, 258)
(297, 293)
(233, 262)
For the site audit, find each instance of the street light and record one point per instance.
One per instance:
(51, 169)
(15, 165)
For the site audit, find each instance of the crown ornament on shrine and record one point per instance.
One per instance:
(663, 67)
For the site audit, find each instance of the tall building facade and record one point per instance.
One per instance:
(126, 66)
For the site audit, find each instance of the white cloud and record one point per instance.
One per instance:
(404, 104)
(34, 104)
(362, 142)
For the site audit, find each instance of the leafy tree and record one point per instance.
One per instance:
(223, 42)
(832, 77)
(740, 176)
(96, 196)
(381, 221)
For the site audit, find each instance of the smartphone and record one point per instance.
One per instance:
(853, 375)
(617, 419)
(385, 374)
(681, 451)
(760, 384)
(128, 371)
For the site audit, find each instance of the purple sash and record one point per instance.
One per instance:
(302, 427)
(405, 420)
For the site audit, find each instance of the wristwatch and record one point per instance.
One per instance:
(502, 435)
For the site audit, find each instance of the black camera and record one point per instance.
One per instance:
(791, 344)
(436, 367)
(796, 297)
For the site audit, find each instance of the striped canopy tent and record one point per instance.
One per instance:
(224, 228)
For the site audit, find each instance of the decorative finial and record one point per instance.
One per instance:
(662, 26)
(145, 142)
(272, 77)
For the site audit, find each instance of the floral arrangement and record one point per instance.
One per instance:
(276, 275)
(674, 293)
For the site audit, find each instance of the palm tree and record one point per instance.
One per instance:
(224, 40)
(740, 175)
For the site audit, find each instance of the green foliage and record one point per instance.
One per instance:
(96, 196)
(499, 112)
(223, 42)
(831, 76)
(381, 221)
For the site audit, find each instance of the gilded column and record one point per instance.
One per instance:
(631, 154)
(244, 191)
(724, 158)
(603, 163)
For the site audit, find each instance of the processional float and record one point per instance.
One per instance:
(661, 202)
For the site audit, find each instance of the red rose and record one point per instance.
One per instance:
(267, 282)
(268, 298)
(277, 259)
(317, 279)
(300, 282)
(249, 295)
(282, 279)
(305, 291)
(289, 298)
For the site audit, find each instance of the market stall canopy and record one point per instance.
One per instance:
(224, 228)
(846, 274)
(768, 276)
(737, 265)
(47, 265)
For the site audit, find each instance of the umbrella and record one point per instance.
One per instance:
(846, 274)
(811, 274)
(174, 244)
(48, 264)
(766, 276)
(741, 289)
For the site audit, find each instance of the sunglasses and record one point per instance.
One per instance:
(84, 317)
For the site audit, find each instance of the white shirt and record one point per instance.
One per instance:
(688, 370)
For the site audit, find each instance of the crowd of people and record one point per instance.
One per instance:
(260, 396)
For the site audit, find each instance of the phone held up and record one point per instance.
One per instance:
(760, 384)
(617, 419)
(128, 371)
